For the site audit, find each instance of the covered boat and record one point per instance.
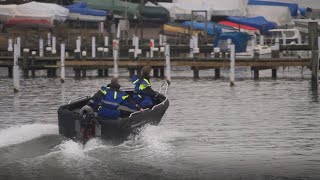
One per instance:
(75, 126)
(258, 22)
(243, 28)
(80, 11)
(182, 9)
(277, 14)
(212, 28)
(293, 7)
(133, 11)
(177, 28)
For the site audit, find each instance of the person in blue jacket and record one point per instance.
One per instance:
(143, 94)
(113, 102)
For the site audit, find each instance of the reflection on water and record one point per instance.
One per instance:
(267, 129)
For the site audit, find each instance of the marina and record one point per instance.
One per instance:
(161, 89)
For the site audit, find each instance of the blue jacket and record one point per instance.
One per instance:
(143, 93)
(110, 100)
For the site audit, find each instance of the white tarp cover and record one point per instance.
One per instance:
(13, 11)
(277, 14)
(213, 7)
(60, 13)
(34, 10)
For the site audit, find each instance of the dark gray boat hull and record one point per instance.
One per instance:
(115, 130)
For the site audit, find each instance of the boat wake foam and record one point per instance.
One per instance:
(23, 133)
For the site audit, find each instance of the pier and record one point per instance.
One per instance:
(101, 56)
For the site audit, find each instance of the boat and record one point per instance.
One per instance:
(177, 28)
(129, 10)
(81, 125)
(243, 28)
(80, 11)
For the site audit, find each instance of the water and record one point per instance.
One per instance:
(267, 129)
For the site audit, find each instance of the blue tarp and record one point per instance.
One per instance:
(304, 10)
(213, 28)
(239, 39)
(258, 22)
(292, 7)
(81, 8)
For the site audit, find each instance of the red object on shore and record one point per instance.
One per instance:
(28, 22)
(240, 26)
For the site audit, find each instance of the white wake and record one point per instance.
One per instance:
(22, 133)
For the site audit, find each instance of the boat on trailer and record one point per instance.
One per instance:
(73, 125)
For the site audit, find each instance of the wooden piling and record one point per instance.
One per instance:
(77, 73)
(216, 73)
(93, 47)
(19, 46)
(115, 44)
(313, 42)
(100, 72)
(195, 73)
(41, 49)
(10, 75)
(162, 72)
(62, 54)
(275, 53)
(25, 63)
(106, 72)
(16, 85)
(232, 63)
(33, 71)
(168, 63)
(155, 72)
(255, 73)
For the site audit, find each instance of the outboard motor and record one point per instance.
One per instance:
(87, 123)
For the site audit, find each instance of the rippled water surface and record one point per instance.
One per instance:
(267, 129)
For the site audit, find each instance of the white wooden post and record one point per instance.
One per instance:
(136, 46)
(93, 47)
(49, 39)
(115, 45)
(10, 48)
(261, 41)
(78, 44)
(54, 49)
(160, 40)
(101, 27)
(191, 45)
(168, 64)
(106, 41)
(19, 46)
(16, 72)
(232, 64)
(277, 43)
(164, 40)
(195, 45)
(41, 47)
(151, 47)
(63, 55)
(284, 39)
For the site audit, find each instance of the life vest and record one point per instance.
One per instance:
(144, 83)
(112, 98)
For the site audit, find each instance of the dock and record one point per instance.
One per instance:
(160, 55)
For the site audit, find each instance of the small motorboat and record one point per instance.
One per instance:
(86, 125)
